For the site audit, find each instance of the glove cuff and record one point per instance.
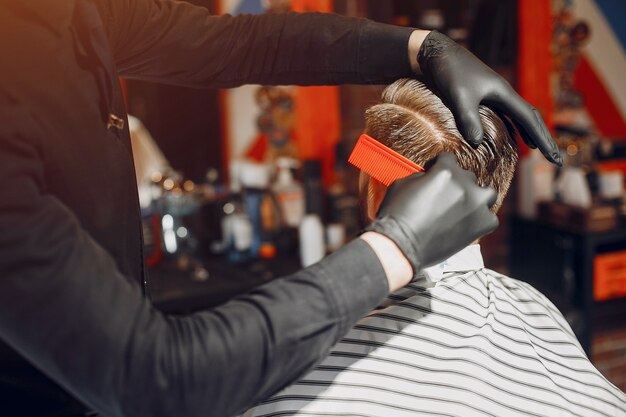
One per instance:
(432, 47)
(394, 229)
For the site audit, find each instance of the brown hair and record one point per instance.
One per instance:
(414, 122)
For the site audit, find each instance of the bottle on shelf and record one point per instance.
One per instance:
(289, 192)
(311, 230)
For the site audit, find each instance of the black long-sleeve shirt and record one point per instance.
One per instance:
(70, 240)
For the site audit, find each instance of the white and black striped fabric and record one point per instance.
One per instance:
(461, 340)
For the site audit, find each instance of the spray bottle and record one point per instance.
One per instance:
(289, 192)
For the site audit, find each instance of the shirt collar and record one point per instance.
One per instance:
(467, 259)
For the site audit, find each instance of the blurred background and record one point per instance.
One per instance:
(242, 186)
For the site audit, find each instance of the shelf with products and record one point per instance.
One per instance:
(211, 281)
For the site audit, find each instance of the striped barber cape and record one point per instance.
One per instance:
(460, 340)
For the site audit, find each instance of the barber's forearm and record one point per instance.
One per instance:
(415, 43)
(176, 42)
(223, 361)
(67, 309)
(397, 268)
(127, 359)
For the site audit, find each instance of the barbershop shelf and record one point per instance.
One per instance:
(175, 291)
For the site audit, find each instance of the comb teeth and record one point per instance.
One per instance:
(380, 162)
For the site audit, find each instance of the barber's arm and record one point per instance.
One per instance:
(177, 43)
(67, 309)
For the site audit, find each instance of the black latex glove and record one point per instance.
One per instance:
(463, 82)
(434, 215)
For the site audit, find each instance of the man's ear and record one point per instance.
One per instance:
(376, 191)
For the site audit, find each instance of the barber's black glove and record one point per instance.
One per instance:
(463, 82)
(432, 216)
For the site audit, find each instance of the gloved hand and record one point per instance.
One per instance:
(432, 216)
(463, 82)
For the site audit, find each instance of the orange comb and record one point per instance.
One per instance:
(380, 162)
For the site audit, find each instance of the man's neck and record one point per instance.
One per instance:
(467, 259)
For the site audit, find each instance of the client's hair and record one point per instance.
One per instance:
(414, 122)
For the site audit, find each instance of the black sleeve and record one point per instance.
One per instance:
(176, 42)
(65, 307)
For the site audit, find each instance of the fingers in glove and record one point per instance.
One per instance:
(397, 185)
(483, 219)
(468, 175)
(532, 127)
(449, 162)
(445, 160)
(481, 196)
(465, 110)
(485, 196)
(488, 223)
(491, 197)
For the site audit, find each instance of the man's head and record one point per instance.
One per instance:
(414, 122)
